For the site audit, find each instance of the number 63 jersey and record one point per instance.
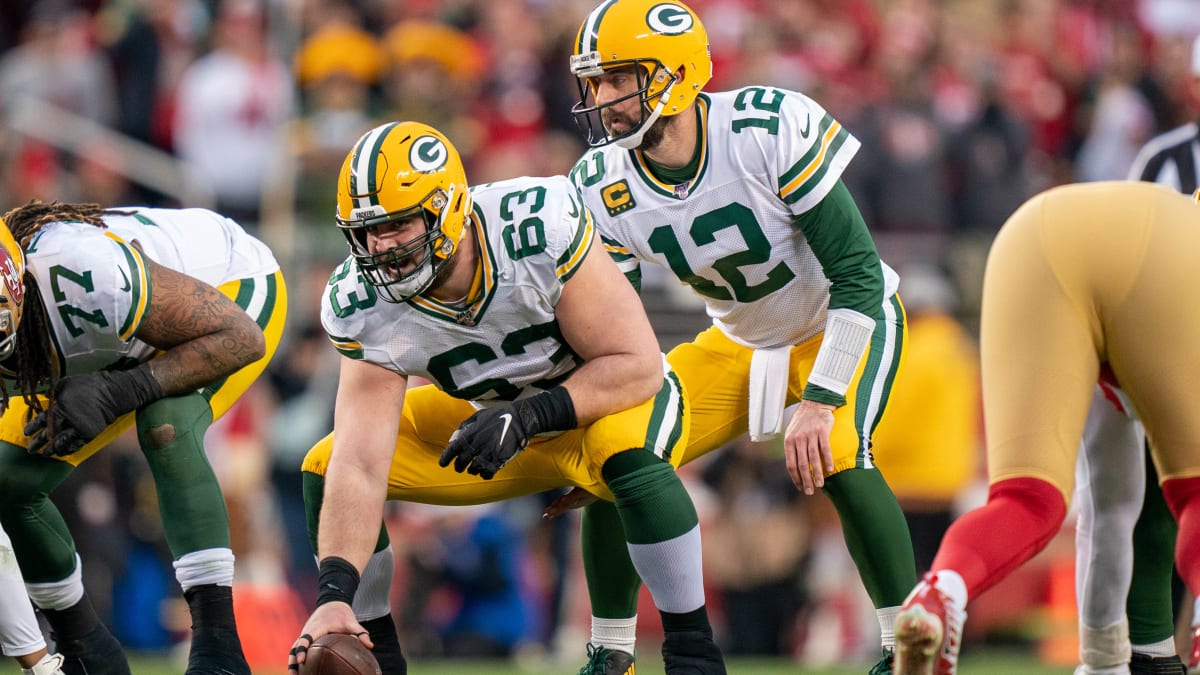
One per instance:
(531, 234)
(766, 155)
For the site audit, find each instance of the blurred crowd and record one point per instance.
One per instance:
(965, 108)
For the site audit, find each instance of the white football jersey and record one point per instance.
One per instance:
(766, 155)
(94, 284)
(533, 234)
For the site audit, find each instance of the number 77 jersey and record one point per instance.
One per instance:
(765, 155)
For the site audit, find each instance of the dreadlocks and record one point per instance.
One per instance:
(33, 359)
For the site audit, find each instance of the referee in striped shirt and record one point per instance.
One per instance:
(1173, 158)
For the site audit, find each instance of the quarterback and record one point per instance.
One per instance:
(1081, 280)
(739, 195)
(502, 298)
(158, 318)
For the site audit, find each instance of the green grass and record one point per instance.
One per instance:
(978, 662)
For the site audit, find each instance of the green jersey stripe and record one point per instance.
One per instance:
(818, 176)
(808, 157)
(137, 304)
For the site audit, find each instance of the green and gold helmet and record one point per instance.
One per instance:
(394, 172)
(657, 39)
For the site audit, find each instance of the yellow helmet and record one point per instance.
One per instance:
(396, 171)
(658, 38)
(12, 289)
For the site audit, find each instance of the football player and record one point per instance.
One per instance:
(739, 195)
(110, 319)
(1081, 280)
(20, 636)
(1127, 505)
(502, 297)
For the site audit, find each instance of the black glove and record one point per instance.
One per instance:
(486, 441)
(82, 406)
(490, 438)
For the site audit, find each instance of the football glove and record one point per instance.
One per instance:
(492, 437)
(486, 441)
(82, 406)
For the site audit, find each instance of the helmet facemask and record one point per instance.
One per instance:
(653, 91)
(428, 252)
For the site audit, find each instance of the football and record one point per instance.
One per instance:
(339, 654)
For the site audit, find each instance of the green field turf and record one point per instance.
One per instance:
(976, 663)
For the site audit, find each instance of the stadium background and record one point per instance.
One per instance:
(965, 108)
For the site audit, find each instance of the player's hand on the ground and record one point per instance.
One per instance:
(806, 446)
(331, 617)
(486, 441)
(577, 498)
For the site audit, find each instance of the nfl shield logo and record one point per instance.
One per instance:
(681, 190)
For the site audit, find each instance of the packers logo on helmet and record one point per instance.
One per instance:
(12, 290)
(428, 153)
(397, 172)
(669, 19)
(665, 45)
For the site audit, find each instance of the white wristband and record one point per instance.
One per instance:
(847, 334)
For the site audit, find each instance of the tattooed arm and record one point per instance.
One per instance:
(204, 336)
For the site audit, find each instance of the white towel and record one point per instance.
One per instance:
(768, 391)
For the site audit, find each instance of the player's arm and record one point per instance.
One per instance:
(602, 320)
(202, 334)
(839, 238)
(366, 419)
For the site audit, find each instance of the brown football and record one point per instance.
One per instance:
(339, 654)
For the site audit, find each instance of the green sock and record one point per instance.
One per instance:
(612, 581)
(313, 486)
(1149, 605)
(653, 503)
(46, 551)
(876, 534)
(171, 435)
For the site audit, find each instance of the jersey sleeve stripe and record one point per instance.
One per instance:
(347, 346)
(827, 130)
(578, 251)
(139, 288)
(814, 174)
(615, 248)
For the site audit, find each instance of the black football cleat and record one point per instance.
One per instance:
(97, 653)
(692, 653)
(216, 651)
(1144, 664)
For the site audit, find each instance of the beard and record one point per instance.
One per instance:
(653, 136)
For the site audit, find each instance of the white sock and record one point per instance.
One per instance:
(59, 594)
(1104, 648)
(207, 566)
(1164, 647)
(618, 634)
(373, 598)
(672, 571)
(887, 626)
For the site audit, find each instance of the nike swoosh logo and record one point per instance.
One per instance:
(504, 432)
(807, 126)
(126, 279)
